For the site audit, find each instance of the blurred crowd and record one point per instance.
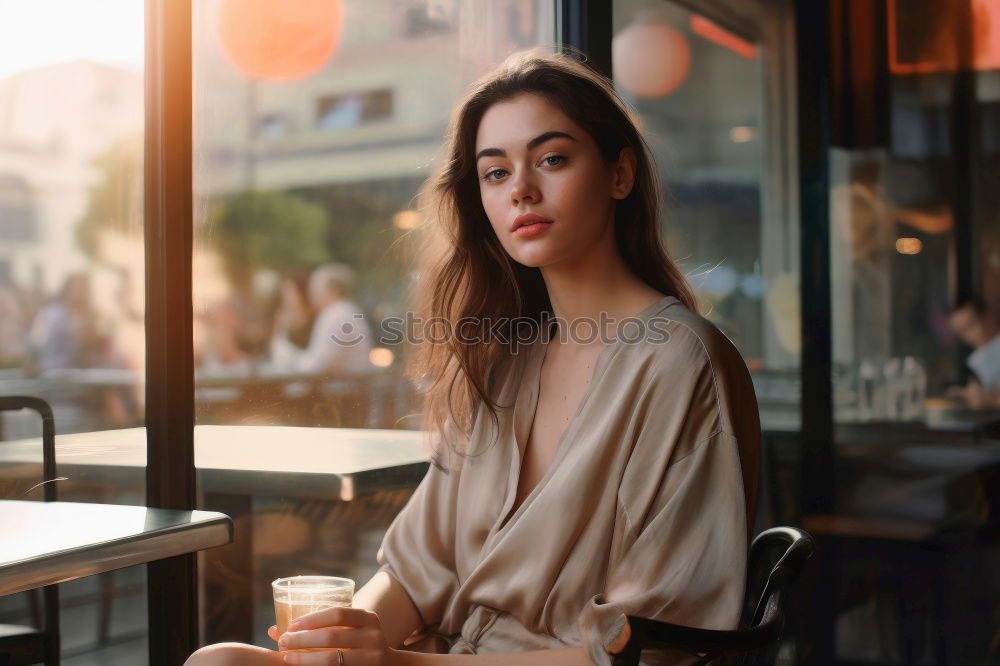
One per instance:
(306, 323)
(85, 341)
(42, 334)
(88, 353)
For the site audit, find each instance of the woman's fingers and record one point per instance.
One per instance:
(328, 637)
(329, 658)
(272, 633)
(335, 617)
(354, 632)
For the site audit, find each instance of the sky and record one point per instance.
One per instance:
(35, 33)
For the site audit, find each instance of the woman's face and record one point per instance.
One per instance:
(545, 188)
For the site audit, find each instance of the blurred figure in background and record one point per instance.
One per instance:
(978, 327)
(293, 319)
(341, 339)
(64, 333)
(70, 334)
(219, 347)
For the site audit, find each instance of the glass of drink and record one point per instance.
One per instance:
(300, 595)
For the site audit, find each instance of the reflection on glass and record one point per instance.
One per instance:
(904, 348)
(307, 163)
(891, 226)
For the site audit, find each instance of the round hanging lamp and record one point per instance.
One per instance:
(650, 59)
(279, 40)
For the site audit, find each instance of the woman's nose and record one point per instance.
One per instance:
(524, 189)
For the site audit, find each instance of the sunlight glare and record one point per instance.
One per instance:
(37, 33)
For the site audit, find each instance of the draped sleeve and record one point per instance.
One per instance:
(418, 549)
(679, 548)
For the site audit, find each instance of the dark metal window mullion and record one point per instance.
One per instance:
(964, 126)
(813, 93)
(586, 25)
(170, 475)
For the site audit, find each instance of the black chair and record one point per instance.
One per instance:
(21, 645)
(776, 559)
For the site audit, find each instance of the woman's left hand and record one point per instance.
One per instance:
(355, 632)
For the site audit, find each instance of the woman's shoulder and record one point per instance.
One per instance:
(686, 353)
(691, 365)
(675, 336)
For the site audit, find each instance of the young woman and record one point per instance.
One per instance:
(596, 441)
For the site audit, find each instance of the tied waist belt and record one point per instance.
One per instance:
(489, 631)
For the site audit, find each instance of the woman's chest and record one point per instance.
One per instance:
(564, 381)
(568, 430)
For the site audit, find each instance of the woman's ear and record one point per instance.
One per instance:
(623, 174)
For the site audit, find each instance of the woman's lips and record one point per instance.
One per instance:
(531, 229)
(529, 224)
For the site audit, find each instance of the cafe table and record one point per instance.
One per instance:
(44, 543)
(234, 465)
(277, 461)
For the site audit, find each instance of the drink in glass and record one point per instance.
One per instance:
(300, 595)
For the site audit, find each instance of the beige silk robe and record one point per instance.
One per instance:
(643, 511)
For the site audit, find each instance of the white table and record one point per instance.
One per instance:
(42, 543)
(276, 461)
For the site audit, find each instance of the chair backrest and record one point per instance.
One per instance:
(15, 403)
(777, 557)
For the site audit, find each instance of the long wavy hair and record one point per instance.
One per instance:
(466, 273)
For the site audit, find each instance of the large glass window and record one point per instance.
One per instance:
(314, 129)
(916, 338)
(72, 284)
(913, 220)
(705, 91)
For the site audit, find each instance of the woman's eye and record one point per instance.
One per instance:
(494, 174)
(553, 160)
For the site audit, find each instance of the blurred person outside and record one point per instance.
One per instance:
(293, 319)
(978, 327)
(67, 335)
(219, 348)
(340, 340)
(64, 334)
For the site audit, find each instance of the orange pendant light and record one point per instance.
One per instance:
(279, 40)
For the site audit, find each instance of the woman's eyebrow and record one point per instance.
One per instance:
(534, 143)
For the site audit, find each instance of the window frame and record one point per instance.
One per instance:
(169, 229)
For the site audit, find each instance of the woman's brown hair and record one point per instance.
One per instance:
(466, 275)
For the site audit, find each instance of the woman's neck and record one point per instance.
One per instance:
(605, 285)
